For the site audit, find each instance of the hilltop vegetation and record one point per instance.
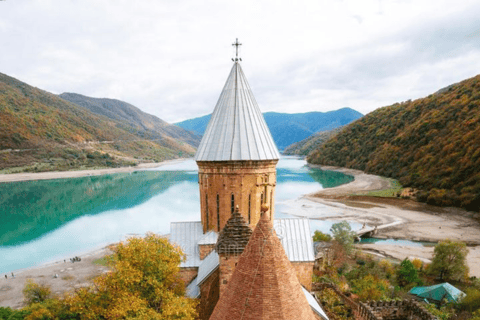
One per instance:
(432, 144)
(289, 128)
(304, 147)
(42, 132)
(133, 119)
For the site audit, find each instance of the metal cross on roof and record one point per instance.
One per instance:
(236, 44)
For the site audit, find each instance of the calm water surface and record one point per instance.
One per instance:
(55, 219)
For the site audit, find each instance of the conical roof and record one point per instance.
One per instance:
(264, 284)
(237, 129)
(234, 236)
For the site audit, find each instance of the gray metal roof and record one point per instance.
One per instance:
(294, 234)
(296, 238)
(210, 237)
(193, 290)
(314, 304)
(237, 129)
(208, 265)
(186, 235)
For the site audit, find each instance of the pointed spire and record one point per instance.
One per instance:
(234, 236)
(264, 284)
(237, 129)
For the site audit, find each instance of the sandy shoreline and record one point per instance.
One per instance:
(15, 177)
(70, 276)
(394, 218)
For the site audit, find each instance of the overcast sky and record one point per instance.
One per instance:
(171, 58)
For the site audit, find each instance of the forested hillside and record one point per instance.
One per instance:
(304, 147)
(132, 118)
(432, 144)
(288, 128)
(42, 132)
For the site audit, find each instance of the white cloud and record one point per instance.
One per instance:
(171, 58)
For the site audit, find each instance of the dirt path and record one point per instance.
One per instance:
(80, 173)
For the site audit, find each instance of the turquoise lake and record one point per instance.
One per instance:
(50, 220)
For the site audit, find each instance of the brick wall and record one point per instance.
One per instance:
(205, 250)
(244, 179)
(227, 266)
(188, 274)
(304, 271)
(209, 295)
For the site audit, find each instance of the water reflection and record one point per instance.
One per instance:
(54, 219)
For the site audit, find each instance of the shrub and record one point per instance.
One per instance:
(471, 301)
(34, 292)
(417, 263)
(407, 274)
(320, 236)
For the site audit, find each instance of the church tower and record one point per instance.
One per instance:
(236, 158)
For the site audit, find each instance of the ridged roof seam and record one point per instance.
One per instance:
(256, 122)
(245, 123)
(212, 124)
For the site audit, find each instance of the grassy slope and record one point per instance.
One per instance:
(51, 134)
(432, 144)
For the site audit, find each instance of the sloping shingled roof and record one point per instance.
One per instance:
(234, 236)
(237, 129)
(264, 284)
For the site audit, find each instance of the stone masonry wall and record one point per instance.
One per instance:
(205, 250)
(304, 271)
(227, 266)
(245, 180)
(381, 310)
(188, 274)
(209, 295)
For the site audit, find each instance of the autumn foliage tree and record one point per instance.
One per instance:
(144, 284)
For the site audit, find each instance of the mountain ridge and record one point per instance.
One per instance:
(288, 128)
(42, 132)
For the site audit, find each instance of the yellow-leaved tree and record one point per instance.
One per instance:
(144, 284)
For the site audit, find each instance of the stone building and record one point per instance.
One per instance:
(263, 284)
(237, 176)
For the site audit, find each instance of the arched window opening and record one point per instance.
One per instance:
(249, 206)
(218, 213)
(206, 211)
(233, 203)
(271, 204)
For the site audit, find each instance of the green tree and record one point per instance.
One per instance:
(319, 236)
(343, 234)
(407, 274)
(449, 260)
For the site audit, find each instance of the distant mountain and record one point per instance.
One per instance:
(41, 131)
(289, 128)
(143, 123)
(196, 125)
(432, 144)
(304, 147)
